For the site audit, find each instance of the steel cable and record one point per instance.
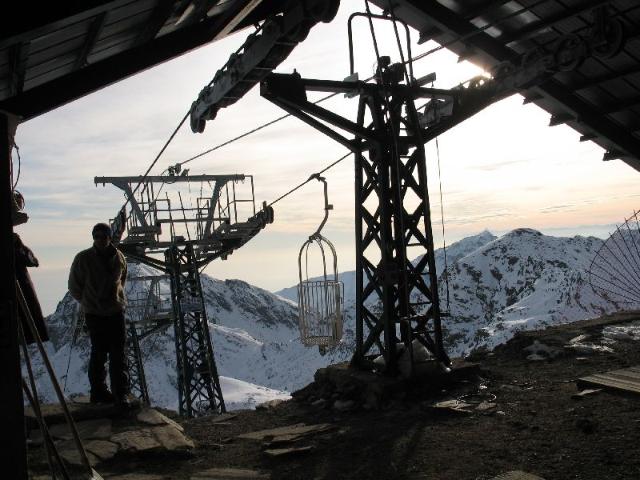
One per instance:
(260, 127)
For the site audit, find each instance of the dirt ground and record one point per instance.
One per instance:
(536, 426)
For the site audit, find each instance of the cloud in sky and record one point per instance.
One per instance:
(502, 169)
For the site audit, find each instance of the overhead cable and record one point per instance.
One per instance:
(416, 58)
(312, 177)
(413, 59)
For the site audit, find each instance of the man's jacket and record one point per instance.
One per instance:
(97, 280)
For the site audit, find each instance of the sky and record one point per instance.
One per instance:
(505, 168)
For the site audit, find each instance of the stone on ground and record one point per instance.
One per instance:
(298, 430)
(154, 417)
(281, 452)
(517, 475)
(230, 474)
(269, 404)
(102, 449)
(89, 429)
(172, 439)
(137, 441)
(137, 476)
(69, 452)
(164, 438)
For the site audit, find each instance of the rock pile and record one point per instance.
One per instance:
(342, 388)
(106, 436)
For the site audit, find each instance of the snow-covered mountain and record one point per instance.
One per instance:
(497, 286)
(255, 337)
(443, 257)
(522, 280)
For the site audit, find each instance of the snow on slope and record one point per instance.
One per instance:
(521, 280)
(159, 359)
(497, 286)
(454, 252)
(254, 334)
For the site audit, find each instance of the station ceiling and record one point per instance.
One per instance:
(59, 51)
(599, 98)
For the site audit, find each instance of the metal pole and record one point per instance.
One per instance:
(54, 381)
(13, 456)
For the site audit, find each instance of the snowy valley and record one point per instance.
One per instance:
(497, 286)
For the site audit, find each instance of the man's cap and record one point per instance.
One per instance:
(18, 199)
(102, 228)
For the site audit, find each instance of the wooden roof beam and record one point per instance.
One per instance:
(18, 55)
(92, 37)
(483, 8)
(533, 28)
(591, 117)
(606, 77)
(28, 20)
(159, 17)
(74, 85)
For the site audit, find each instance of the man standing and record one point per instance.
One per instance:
(97, 280)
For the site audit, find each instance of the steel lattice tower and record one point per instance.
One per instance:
(199, 389)
(396, 300)
(137, 379)
(178, 235)
(393, 213)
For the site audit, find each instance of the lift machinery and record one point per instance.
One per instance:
(177, 224)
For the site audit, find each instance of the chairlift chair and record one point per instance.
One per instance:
(320, 301)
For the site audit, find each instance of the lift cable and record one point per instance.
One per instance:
(416, 58)
(413, 59)
(155, 160)
(312, 177)
(444, 240)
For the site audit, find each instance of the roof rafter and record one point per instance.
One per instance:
(18, 54)
(92, 37)
(482, 7)
(55, 93)
(535, 27)
(605, 77)
(159, 17)
(30, 21)
(607, 131)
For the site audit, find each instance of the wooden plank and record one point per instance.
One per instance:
(299, 430)
(627, 379)
(517, 475)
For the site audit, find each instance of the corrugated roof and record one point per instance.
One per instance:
(600, 98)
(55, 52)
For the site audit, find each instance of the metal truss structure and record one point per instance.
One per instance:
(137, 379)
(148, 312)
(391, 210)
(397, 300)
(200, 390)
(179, 232)
(263, 51)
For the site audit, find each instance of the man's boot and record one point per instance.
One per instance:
(102, 396)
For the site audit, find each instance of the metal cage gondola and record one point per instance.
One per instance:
(320, 299)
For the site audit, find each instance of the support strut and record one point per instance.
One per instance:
(199, 391)
(137, 379)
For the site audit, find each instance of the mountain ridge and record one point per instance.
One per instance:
(497, 286)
